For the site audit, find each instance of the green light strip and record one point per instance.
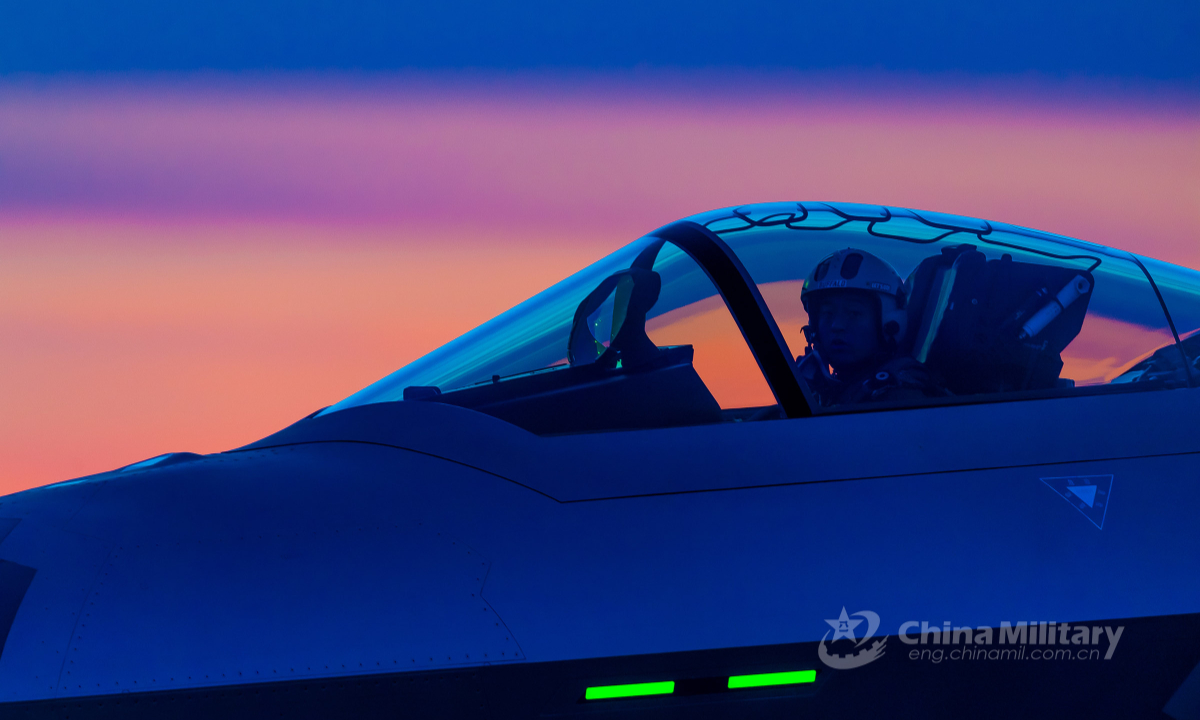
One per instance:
(604, 692)
(766, 679)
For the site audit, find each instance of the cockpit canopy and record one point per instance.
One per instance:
(701, 321)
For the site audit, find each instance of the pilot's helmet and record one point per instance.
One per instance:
(853, 269)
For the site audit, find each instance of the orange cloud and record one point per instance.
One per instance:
(190, 268)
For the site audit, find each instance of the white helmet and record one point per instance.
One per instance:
(853, 269)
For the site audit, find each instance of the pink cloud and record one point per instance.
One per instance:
(624, 157)
(192, 264)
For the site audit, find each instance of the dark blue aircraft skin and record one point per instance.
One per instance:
(420, 559)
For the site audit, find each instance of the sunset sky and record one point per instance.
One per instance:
(202, 241)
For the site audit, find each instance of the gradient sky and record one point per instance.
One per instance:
(216, 218)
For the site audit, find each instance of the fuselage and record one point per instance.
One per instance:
(427, 539)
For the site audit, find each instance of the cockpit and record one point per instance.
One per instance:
(703, 321)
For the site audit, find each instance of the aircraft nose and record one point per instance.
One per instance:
(306, 561)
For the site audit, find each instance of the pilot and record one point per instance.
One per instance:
(856, 322)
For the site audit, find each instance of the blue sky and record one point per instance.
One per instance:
(1142, 41)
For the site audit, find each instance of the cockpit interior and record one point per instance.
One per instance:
(703, 321)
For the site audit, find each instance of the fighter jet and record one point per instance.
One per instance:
(677, 484)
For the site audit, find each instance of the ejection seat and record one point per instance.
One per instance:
(987, 326)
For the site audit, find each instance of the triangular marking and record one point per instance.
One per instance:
(1089, 494)
(1086, 493)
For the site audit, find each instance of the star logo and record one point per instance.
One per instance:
(843, 626)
